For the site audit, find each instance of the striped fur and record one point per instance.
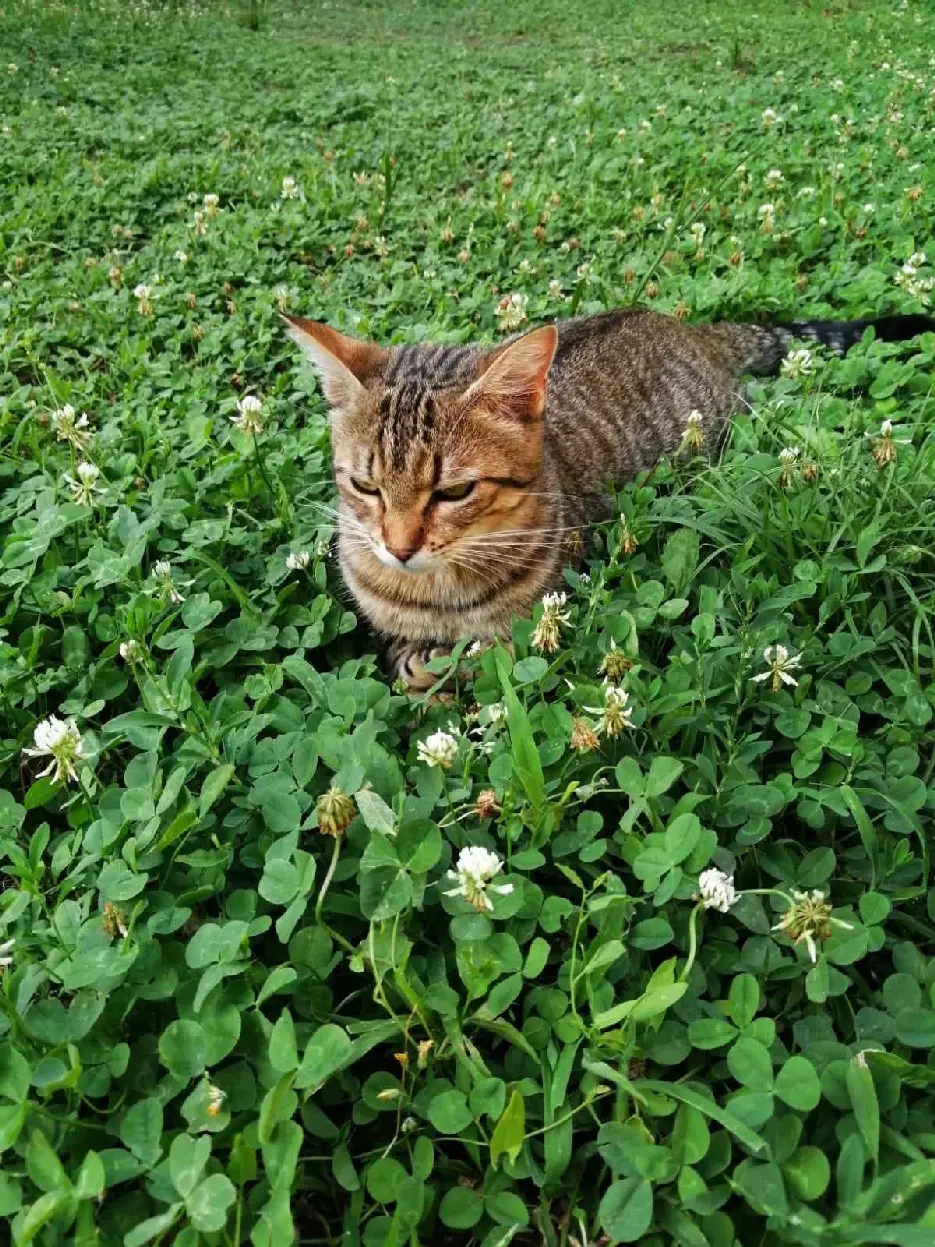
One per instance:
(540, 437)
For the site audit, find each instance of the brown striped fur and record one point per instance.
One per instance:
(540, 425)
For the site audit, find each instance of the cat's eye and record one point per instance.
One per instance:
(364, 487)
(454, 493)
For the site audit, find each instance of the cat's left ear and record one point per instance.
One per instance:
(514, 383)
(342, 363)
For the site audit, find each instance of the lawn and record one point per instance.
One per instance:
(238, 1002)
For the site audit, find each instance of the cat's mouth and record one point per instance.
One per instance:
(421, 561)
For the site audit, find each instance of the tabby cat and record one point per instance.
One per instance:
(461, 470)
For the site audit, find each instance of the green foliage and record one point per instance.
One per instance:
(237, 1008)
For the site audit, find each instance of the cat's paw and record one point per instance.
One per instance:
(409, 664)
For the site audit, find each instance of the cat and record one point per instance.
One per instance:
(462, 471)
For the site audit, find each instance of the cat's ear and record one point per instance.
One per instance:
(514, 382)
(342, 363)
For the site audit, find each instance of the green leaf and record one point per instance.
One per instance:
(509, 1132)
(862, 1093)
(281, 978)
(327, 1051)
(461, 1208)
(808, 1172)
(707, 1033)
(208, 1204)
(725, 1118)
(375, 812)
(743, 1000)
(141, 1130)
(183, 1050)
(187, 1160)
(750, 1064)
(449, 1113)
(283, 1053)
(626, 1211)
(215, 783)
(681, 836)
(797, 1084)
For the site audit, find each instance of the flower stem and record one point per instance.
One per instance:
(323, 892)
(692, 942)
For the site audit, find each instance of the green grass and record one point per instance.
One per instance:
(598, 1055)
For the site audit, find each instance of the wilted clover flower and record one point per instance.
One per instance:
(211, 202)
(583, 739)
(546, 635)
(249, 418)
(474, 869)
(614, 665)
(781, 662)
(808, 921)
(336, 811)
(883, 447)
(114, 921)
(59, 740)
(216, 1098)
(85, 486)
(440, 749)
(798, 363)
(297, 560)
(487, 805)
(716, 890)
(142, 294)
(511, 311)
(68, 429)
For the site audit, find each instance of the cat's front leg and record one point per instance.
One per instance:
(407, 661)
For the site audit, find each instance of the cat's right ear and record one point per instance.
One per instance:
(342, 363)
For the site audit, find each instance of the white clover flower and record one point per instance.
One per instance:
(693, 437)
(511, 311)
(780, 663)
(698, 232)
(198, 224)
(5, 949)
(440, 749)
(381, 248)
(716, 890)
(869, 209)
(249, 418)
(142, 294)
(297, 560)
(806, 192)
(474, 869)
(615, 713)
(555, 289)
(211, 202)
(546, 635)
(68, 429)
(129, 650)
(773, 179)
(60, 740)
(162, 573)
(769, 117)
(808, 921)
(765, 210)
(798, 363)
(290, 188)
(181, 257)
(84, 488)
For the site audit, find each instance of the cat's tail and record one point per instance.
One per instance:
(762, 348)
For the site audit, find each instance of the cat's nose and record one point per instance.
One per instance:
(403, 553)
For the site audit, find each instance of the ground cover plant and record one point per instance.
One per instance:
(681, 988)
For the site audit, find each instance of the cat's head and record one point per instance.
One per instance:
(428, 473)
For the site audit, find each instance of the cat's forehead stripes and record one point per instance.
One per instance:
(406, 423)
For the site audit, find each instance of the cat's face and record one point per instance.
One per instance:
(432, 479)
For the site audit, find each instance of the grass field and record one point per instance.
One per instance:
(220, 1024)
